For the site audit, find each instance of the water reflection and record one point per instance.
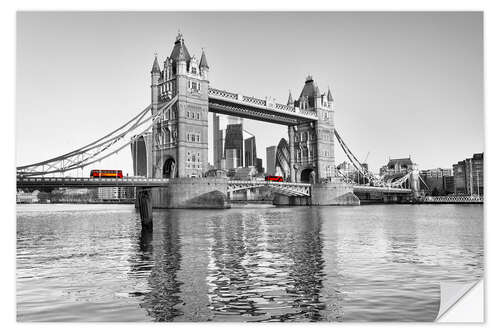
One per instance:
(141, 261)
(263, 267)
(366, 263)
(307, 269)
(145, 246)
(163, 299)
(401, 235)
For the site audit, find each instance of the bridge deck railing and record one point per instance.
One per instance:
(83, 181)
(451, 199)
(266, 182)
(292, 110)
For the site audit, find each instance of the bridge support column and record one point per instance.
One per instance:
(286, 200)
(335, 193)
(192, 193)
(145, 203)
(415, 183)
(390, 198)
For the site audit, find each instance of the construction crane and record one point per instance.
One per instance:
(368, 154)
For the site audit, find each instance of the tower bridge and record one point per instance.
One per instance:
(177, 146)
(171, 153)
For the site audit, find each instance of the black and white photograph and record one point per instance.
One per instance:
(248, 166)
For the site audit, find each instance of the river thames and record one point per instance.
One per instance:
(258, 263)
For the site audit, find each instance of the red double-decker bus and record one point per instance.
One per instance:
(106, 174)
(274, 178)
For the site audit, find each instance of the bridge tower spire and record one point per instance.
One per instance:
(204, 65)
(180, 138)
(155, 78)
(290, 98)
(330, 98)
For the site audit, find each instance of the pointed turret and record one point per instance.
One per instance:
(290, 99)
(310, 93)
(310, 89)
(180, 56)
(203, 61)
(329, 96)
(156, 66)
(180, 51)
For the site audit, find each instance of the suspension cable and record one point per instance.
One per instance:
(350, 155)
(80, 164)
(92, 144)
(358, 165)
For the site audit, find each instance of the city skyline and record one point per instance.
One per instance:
(425, 93)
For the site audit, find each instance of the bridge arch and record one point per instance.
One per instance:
(287, 189)
(308, 175)
(169, 167)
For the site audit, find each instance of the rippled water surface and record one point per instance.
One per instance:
(366, 263)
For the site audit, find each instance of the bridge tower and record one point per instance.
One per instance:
(311, 144)
(180, 138)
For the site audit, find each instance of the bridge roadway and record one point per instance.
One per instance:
(90, 182)
(299, 189)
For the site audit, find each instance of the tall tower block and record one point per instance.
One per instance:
(180, 138)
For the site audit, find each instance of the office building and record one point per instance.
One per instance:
(271, 160)
(218, 142)
(434, 181)
(468, 175)
(250, 152)
(259, 167)
(115, 193)
(233, 146)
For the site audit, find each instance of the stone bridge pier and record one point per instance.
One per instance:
(334, 193)
(192, 193)
(144, 204)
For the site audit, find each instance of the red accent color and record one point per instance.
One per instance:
(274, 178)
(106, 174)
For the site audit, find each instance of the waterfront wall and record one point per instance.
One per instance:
(384, 198)
(370, 198)
(192, 193)
(285, 200)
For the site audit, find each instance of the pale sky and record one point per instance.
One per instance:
(403, 83)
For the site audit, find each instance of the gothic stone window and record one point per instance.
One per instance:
(194, 85)
(329, 171)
